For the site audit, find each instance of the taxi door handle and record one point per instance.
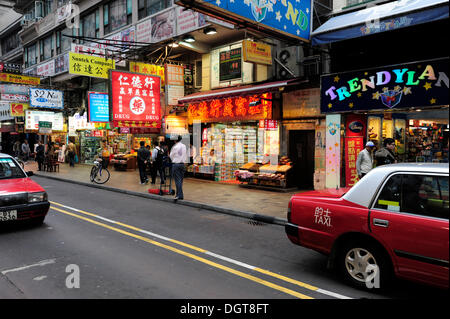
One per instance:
(380, 222)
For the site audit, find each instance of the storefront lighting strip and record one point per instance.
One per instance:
(232, 92)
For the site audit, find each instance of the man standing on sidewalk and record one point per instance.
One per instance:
(364, 163)
(143, 156)
(40, 155)
(178, 157)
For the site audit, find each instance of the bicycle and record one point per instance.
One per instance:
(99, 174)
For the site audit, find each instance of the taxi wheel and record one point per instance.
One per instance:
(364, 265)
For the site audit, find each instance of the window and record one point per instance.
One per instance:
(114, 17)
(31, 55)
(351, 3)
(46, 48)
(198, 73)
(90, 25)
(416, 194)
(63, 43)
(10, 42)
(10, 169)
(48, 7)
(149, 7)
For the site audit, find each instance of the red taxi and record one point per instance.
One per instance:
(20, 197)
(393, 222)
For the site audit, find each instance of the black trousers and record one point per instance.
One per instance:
(158, 169)
(142, 173)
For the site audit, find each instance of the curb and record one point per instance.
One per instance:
(253, 216)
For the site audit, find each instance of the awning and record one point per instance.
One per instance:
(385, 17)
(244, 90)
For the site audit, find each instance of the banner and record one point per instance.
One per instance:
(88, 65)
(135, 99)
(15, 97)
(257, 52)
(43, 98)
(18, 109)
(353, 145)
(32, 119)
(164, 26)
(287, 17)
(333, 151)
(98, 107)
(256, 107)
(19, 79)
(419, 84)
(150, 69)
(5, 111)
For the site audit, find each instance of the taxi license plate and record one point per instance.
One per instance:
(8, 215)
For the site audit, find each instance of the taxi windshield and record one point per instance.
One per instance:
(10, 169)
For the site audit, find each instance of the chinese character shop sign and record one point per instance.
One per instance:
(256, 107)
(135, 99)
(418, 84)
(289, 17)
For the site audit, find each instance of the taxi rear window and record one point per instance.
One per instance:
(10, 169)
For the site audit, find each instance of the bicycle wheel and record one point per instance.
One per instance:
(93, 173)
(102, 176)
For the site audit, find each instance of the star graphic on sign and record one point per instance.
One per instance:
(218, 2)
(385, 89)
(397, 88)
(284, 27)
(407, 90)
(307, 9)
(376, 95)
(350, 105)
(359, 94)
(336, 78)
(298, 32)
(278, 16)
(330, 105)
(427, 86)
(433, 101)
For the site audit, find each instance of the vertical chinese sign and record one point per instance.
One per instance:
(135, 99)
(355, 129)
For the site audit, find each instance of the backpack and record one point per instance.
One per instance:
(160, 156)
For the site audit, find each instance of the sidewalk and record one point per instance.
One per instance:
(267, 206)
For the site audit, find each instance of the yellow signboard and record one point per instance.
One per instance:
(150, 69)
(257, 52)
(18, 109)
(19, 79)
(89, 65)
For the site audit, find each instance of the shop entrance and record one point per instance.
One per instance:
(301, 152)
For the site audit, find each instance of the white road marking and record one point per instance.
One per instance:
(39, 264)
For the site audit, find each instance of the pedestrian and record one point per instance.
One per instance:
(62, 153)
(143, 156)
(364, 163)
(16, 149)
(178, 157)
(386, 155)
(40, 155)
(71, 152)
(159, 154)
(25, 150)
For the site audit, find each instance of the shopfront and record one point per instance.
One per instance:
(407, 102)
(236, 135)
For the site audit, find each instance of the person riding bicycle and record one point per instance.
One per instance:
(103, 155)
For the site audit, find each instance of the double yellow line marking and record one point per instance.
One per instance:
(195, 257)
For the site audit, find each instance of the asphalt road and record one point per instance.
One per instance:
(102, 244)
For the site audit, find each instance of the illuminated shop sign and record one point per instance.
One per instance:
(256, 107)
(418, 84)
(135, 99)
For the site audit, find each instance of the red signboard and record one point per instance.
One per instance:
(135, 99)
(353, 145)
(255, 107)
(268, 124)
